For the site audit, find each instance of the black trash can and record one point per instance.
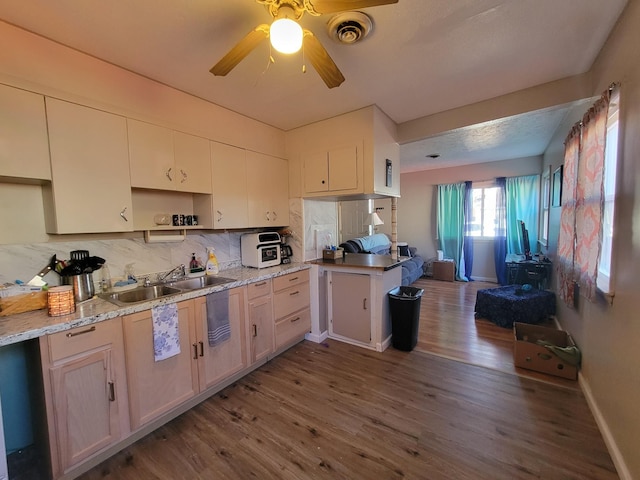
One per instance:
(404, 304)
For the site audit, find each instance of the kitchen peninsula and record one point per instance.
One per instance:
(357, 298)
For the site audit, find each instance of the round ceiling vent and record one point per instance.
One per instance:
(349, 27)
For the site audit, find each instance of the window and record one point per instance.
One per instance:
(483, 217)
(543, 233)
(604, 278)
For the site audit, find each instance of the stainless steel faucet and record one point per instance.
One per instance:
(174, 274)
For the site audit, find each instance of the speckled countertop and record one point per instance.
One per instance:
(29, 325)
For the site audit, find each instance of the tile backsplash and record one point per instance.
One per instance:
(23, 261)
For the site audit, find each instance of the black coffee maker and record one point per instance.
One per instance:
(285, 253)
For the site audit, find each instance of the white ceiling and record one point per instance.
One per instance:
(423, 57)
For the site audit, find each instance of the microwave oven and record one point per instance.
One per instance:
(260, 250)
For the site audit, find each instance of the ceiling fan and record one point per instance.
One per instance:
(285, 14)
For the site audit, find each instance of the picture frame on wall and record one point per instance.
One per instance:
(556, 190)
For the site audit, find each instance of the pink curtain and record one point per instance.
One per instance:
(582, 196)
(567, 238)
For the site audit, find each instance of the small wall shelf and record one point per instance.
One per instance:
(166, 235)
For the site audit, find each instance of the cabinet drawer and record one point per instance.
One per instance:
(290, 300)
(258, 289)
(292, 327)
(290, 280)
(82, 339)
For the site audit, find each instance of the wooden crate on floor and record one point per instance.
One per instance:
(444, 271)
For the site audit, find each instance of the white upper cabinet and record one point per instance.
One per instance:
(151, 159)
(249, 190)
(336, 170)
(268, 186)
(229, 177)
(354, 155)
(163, 159)
(90, 190)
(192, 163)
(24, 148)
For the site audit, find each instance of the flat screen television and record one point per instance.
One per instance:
(526, 247)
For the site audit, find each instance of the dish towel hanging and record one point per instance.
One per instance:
(166, 338)
(218, 317)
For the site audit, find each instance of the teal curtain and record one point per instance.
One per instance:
(522, 195)
(451, 225)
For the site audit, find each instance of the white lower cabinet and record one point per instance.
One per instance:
(259, 320)
(85, 392)
(217, 363)
(102, 382)
(350, 306)
(157, 387)
(292, 316)
(358, 305)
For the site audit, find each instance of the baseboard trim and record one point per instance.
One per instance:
(312, 337)
(485, 279)
(609, 440)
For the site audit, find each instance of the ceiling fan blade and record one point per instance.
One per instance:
(334, 6)
(241, 50)
(321, 60)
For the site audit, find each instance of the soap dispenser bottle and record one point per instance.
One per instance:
(193, 264)
(212, 262)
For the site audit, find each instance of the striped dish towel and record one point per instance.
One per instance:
(218, 317)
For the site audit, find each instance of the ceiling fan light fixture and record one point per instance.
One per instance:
(286, 35)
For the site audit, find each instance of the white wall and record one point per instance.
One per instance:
(417, 205)
(608, 335)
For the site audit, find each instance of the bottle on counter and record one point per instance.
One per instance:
(106, 278)
(193, 264)
(212, 262)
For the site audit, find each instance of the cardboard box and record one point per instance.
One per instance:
(444, 271)
(332, 254)
(528, 354)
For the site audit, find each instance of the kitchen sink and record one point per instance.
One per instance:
(200, 282)
(144, 294)
(141, 294)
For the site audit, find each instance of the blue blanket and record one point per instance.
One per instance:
(374, 243)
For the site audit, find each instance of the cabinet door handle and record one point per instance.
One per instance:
(295, 319)
(112, 392)
(81, 332)
(266, 215)
(259, 284)
(294, 293)
(168, 174)
(255, 330)
(275, 216)
(364, 303)
(195, 351)
(219, 215)
(184, 176)
(122, 214)
(201, 349)
(293, 279)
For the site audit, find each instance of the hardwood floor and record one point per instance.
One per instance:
(448, 328)
(337, 411)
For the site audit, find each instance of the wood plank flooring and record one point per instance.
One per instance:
(337, 411)
(448, 328)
